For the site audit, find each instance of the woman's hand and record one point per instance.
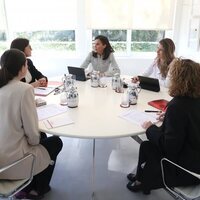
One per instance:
(35, 84)
(43, 82)
(134, 79)
(161, 116)
(147, 124)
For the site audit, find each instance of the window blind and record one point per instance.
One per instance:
(130, 14)
(2, 17)
(33, 15)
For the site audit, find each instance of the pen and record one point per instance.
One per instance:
(156, 111)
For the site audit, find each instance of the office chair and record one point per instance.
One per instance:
(8, 188)
(184, 192)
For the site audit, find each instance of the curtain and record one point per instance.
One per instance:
(130, 14)
(2, 17)
(33, 15)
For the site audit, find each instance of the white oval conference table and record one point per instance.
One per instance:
(97, 115)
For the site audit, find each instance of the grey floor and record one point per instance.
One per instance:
(114, 158)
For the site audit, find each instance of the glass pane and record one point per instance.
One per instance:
(50, 40)
(119, 46)
(112, 35)
(145, 40)
(3, 45)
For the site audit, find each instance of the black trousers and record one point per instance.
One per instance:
(41, 181)
(149, 169)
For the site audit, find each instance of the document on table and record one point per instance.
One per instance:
(50, 110)
(61, 120)
(43, 91)
(139, 117)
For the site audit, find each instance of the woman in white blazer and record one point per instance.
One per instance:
(19, 133)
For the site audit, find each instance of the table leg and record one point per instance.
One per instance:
(93, 170)
(137, 139)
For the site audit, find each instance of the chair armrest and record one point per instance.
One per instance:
(26, 156)
(178, 166)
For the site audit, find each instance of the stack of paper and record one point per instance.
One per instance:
(61, 120)
(50, 110)
(43, 91)
(139, 117)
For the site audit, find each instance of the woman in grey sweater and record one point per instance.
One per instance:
(102, 58)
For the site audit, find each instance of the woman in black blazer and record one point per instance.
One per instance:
(178, 139)
(33, 76)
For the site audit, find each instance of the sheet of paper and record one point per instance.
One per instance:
(61, 120)
(50, 110)
(43, 91)
(139, 117)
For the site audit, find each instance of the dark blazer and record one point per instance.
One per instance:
(34, 72)
(178, 139)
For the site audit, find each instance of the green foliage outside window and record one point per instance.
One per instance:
(64, 40)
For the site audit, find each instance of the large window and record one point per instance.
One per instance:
(49, 25)
(62, 26)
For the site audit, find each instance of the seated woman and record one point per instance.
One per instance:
(33, 76)
(19, 133)
(102, 58)
(160, 67)
(178, 139)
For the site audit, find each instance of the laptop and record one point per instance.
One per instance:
(148, 83)
(78, 72)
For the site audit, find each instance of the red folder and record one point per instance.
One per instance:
(160, 104)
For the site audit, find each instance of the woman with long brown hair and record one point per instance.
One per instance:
(160, 67)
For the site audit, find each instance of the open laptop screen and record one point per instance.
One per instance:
(148, 83)
(78, 72)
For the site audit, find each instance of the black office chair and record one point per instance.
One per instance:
(186, 192)
(8, 188)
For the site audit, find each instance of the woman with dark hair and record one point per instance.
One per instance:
(160, 67)
(178, 138)
(33, 76)
(19, 133)
(102, 58)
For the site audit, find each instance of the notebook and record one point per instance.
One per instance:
(160, 104)
(78, 72)
(148, 83)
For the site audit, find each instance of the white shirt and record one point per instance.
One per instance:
(154, 72)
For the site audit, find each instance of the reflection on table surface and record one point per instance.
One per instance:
(97, 115)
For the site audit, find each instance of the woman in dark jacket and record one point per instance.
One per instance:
(178, 139)
(33, 76)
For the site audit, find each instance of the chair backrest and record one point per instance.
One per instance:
(8, 188)
(186, 192)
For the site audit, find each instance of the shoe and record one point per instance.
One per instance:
(136, 188)
(133, 187)
(20, 195)
(25, 195)
(46, 190)
(131, 177)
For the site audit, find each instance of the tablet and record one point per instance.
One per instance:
(148, 83)
(78, 72)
